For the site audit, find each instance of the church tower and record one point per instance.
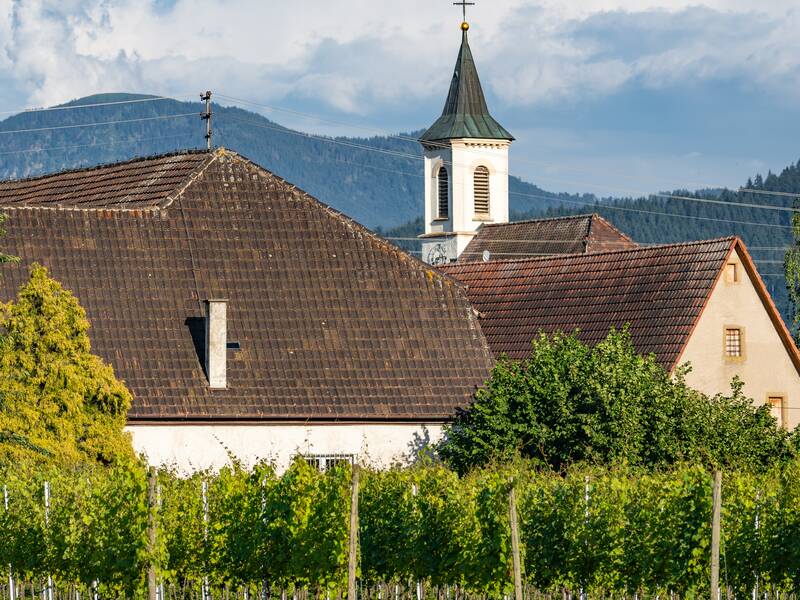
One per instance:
(466, 166)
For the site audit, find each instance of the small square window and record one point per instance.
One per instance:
(733, 342)
(732, 272)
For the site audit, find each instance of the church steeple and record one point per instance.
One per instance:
(465, 113)
(466, 165)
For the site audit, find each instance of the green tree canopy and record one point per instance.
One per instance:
(570, 403)
(6, 258)
(54, 393)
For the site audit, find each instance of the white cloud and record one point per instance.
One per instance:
(361, 56)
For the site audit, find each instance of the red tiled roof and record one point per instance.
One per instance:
(140, 183)
(334, 323)
(659, 290)
(539, 237)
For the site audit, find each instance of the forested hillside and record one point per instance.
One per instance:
(377, 181)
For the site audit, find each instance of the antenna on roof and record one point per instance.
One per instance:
(206, 116)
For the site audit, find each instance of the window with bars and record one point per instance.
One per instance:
(444, 194)
(779, 409)
(325, 462)
(733, 341)
(481, 183)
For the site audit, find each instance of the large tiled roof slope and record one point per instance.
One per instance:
(141, 183)
(660, 291)
(333, 322)
(539, 237)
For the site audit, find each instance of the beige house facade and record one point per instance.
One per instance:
(740, 334)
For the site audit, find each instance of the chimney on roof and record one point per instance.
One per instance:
(217, 343)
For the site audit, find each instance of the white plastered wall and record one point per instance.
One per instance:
(461, 158)
(765, 368)
(191, 448)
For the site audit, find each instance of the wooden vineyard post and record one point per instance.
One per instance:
(49, 593)
(715, 534)
(512, 513)
(351, 563)
(151, 534)
(11, 593)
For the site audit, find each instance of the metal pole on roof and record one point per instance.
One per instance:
(206, 116)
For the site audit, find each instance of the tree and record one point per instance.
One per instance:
(791, 269)
(6, 258)
(569, 403)
(54, 393)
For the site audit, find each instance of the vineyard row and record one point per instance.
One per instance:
(422, 532)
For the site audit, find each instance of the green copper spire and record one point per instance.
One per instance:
(465, 114)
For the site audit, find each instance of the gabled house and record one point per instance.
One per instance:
(701, 303)
(578, 234)
(244, 315)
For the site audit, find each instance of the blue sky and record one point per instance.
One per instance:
(609, 96)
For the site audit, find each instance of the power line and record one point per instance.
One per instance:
(534, 241)
(785, 194)
(373, 130)
(417, 157)
(601, 206)
(323, 138)
(98, 124)
(562, 241)
(112, 143)
(723, 202)
(537, 196)
(387, 134)
(92, 105)
(770, 262)
(551, 198)
(596, 204)
(679, 197)
(556, 198)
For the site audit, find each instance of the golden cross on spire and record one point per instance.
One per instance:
(464, 6)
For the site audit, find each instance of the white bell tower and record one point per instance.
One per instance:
(466, 166)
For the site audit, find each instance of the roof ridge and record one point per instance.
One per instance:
(611, 225)
(543, 219)
(105, 165)
(593, 255)
(192, 177)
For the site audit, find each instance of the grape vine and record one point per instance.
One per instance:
(599, 531)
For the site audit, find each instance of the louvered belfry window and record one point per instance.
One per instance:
(481, 191)
(444, 191)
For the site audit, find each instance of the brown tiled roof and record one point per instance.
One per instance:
(659, 290)
(539, 237)
(140, 183)
(334, 323)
